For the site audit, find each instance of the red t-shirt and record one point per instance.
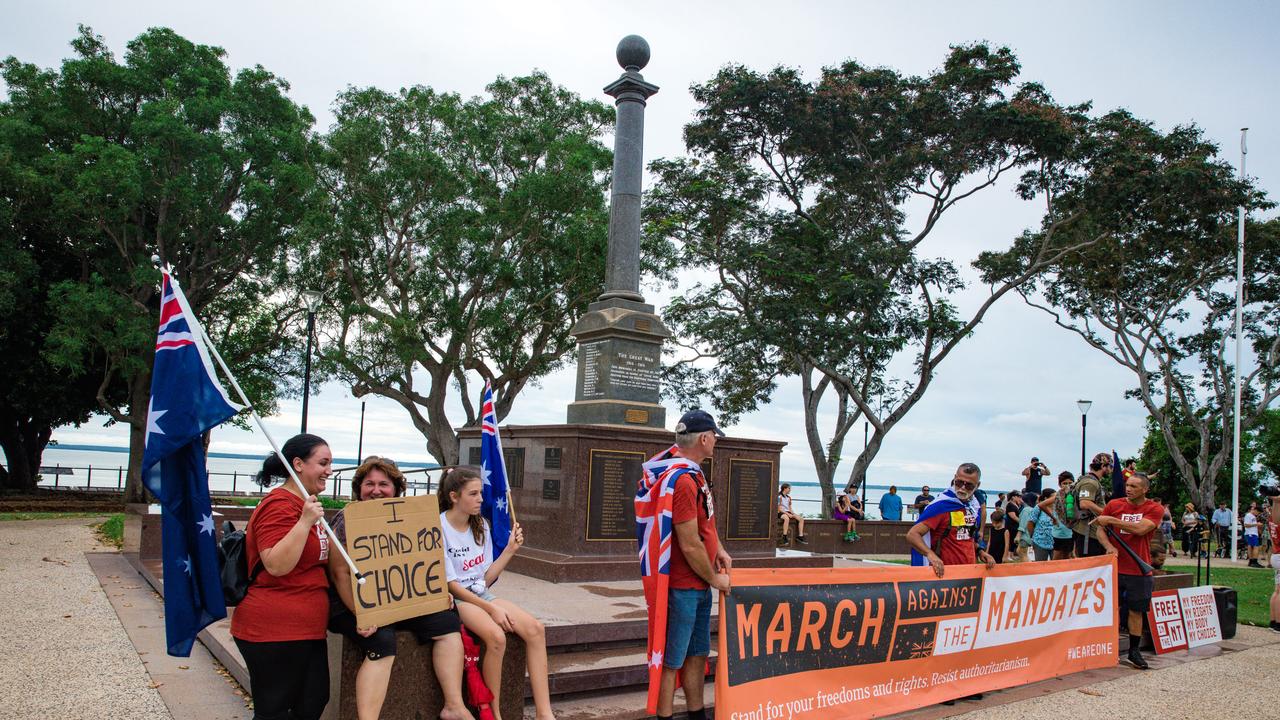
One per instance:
(1275, 538)
(957, 546)
(294, 606)
(692, 501)
(1139, 544)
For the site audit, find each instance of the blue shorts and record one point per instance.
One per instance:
(688, 626)
(1252, 540)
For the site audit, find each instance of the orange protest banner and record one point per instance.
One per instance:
(867, 642)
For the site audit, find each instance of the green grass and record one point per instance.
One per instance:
(111, 530)
(1253, 588)
(47, 515)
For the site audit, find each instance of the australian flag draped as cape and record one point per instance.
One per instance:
(493, 469)
(946, 502)
(655, 496)
(186, 400)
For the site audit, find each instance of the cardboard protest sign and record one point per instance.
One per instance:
(1200, 615)
(846, 643)
(1168, 632)
(397, 545)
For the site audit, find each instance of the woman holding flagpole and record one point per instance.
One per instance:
(280, 624)
(471, 570)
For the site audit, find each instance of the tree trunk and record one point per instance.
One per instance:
(139, 404)
(23, 441)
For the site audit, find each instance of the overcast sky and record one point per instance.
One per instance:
(1007, 393)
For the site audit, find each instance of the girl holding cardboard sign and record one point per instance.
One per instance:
(471, 570)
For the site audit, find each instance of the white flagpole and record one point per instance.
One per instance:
(1235, 456)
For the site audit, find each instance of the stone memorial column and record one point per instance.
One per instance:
(620, 337)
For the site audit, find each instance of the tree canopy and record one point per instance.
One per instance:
(461, 238)
(162, 154)
(808, 206)
(1157, 294)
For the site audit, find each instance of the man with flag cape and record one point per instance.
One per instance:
(949, 529)
(681, 561)
(186, 401)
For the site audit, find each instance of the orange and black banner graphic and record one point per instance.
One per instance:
(868, 642)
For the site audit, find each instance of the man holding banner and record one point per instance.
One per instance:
(1128, 522)
(948, 530)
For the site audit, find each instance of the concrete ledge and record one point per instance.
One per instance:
(414, 691)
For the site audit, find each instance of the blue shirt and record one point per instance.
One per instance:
(1222, 517)
(891, 507)
(1042, 536)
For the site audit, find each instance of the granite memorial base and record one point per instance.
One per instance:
(573, 489)
(875, 537)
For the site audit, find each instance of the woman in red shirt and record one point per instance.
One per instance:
(280, 624)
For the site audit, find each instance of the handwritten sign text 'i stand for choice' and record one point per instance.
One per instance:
(397, 544)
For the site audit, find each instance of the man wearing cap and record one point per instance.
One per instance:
(698, 563)
(1090, 501)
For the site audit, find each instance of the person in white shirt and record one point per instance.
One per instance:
(1251, 536)
(787, 514)
(471, 570)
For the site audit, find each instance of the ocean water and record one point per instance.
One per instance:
(101, 466)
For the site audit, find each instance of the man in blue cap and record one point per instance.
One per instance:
(679, 592)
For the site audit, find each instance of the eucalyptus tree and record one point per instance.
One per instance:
(1157, 295)
(461, 240)
(816, 209)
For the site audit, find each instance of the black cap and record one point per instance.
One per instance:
(696, 421)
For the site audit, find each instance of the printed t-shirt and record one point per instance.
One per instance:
(692, 501)
(1139, 544)
(1042, 536)
(1250, 519)
(956, 530)
(1088, 488)
(464, 560)
(293, 606)
(1275, 538)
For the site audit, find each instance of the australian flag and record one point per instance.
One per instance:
(186, 400)
(494, 471)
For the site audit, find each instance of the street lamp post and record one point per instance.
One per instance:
(311, 298)
(1084, 406)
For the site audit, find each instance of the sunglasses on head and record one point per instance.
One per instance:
(964, 484)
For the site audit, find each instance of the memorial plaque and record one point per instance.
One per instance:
(611, 493)
(513, 460)
(551, 458)
(551, 488)
(750, 499)
(637, 416)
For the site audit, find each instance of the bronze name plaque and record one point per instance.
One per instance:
(750, 499)
(611, 494)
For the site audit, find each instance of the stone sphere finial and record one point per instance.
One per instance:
(633, 53)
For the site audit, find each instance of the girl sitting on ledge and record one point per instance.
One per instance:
(471, 571)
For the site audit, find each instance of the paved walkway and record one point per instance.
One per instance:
(63, 651)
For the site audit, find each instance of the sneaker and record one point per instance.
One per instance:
(1254, 564)
(1135, 659)
(1275, 626)
(854, 536)
(800, 539)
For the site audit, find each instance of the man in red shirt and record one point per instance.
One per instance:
(698, 563)
(952, 523)
(1131, 521)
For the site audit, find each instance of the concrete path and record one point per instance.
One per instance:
(63, 652)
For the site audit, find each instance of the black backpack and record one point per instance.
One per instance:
(233, 564)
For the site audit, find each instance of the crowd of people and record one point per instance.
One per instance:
(299, 590)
